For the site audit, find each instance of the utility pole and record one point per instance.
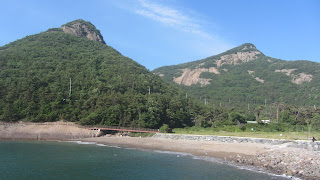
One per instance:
(248, 107)
(277, 112)
(149, 91)
(70, 89)
(186, 95)
(270, 112)
(265, 103)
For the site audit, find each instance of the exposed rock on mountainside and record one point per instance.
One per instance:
(237, 58)
(83, 28)
(259, 80)
(302, 77)
(285, 71)
(256, 78)
(297, 79)
(190, 77)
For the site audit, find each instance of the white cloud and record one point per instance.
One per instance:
(171, 17)
(200, 38)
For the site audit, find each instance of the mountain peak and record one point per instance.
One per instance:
(190, 73)
(248, 46)
(83, 28)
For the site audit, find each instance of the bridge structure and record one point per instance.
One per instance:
(124, 129)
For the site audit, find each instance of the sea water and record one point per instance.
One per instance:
(81, 160)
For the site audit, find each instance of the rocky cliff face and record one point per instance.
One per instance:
(237, 58)
(296, 78)
(245, 53)
(190, 77)
(83, 28)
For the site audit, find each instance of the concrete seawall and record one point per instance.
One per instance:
(309, 145)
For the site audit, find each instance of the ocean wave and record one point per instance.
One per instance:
(211, 159)
(239, 166)
(101, 145)
(93, 143)
(173, 153)
(83, 142)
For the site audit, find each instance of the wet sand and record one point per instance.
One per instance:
(199, 148)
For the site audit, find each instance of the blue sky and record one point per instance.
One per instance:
(168, 32)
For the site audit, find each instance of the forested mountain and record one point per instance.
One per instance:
(69, 73)
(244, 75)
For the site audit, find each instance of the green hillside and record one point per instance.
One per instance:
(244, 75)
(106, 87)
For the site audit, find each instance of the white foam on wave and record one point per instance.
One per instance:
(173, 153)
(81, 142)
(211, 159)
(93, 143)
(244, 167)
(255, 169)
(101, 145)
(113, 146)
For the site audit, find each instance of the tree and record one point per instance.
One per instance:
(236, 118)
(258, 112)
(306, 114)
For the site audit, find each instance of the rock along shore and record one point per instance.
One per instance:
(294, 158)
(309, 145)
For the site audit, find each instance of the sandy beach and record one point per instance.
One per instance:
(199, 148)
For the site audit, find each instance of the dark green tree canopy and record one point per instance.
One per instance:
(106, 87)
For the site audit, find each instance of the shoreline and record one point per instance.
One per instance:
(299, 159)
(221, 150)
(235, 159)
(221, 157)
(274, 159)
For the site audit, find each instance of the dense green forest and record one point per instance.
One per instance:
(106, 87)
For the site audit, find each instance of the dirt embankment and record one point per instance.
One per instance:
(44, 131)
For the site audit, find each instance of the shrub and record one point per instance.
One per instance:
(164, 128)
